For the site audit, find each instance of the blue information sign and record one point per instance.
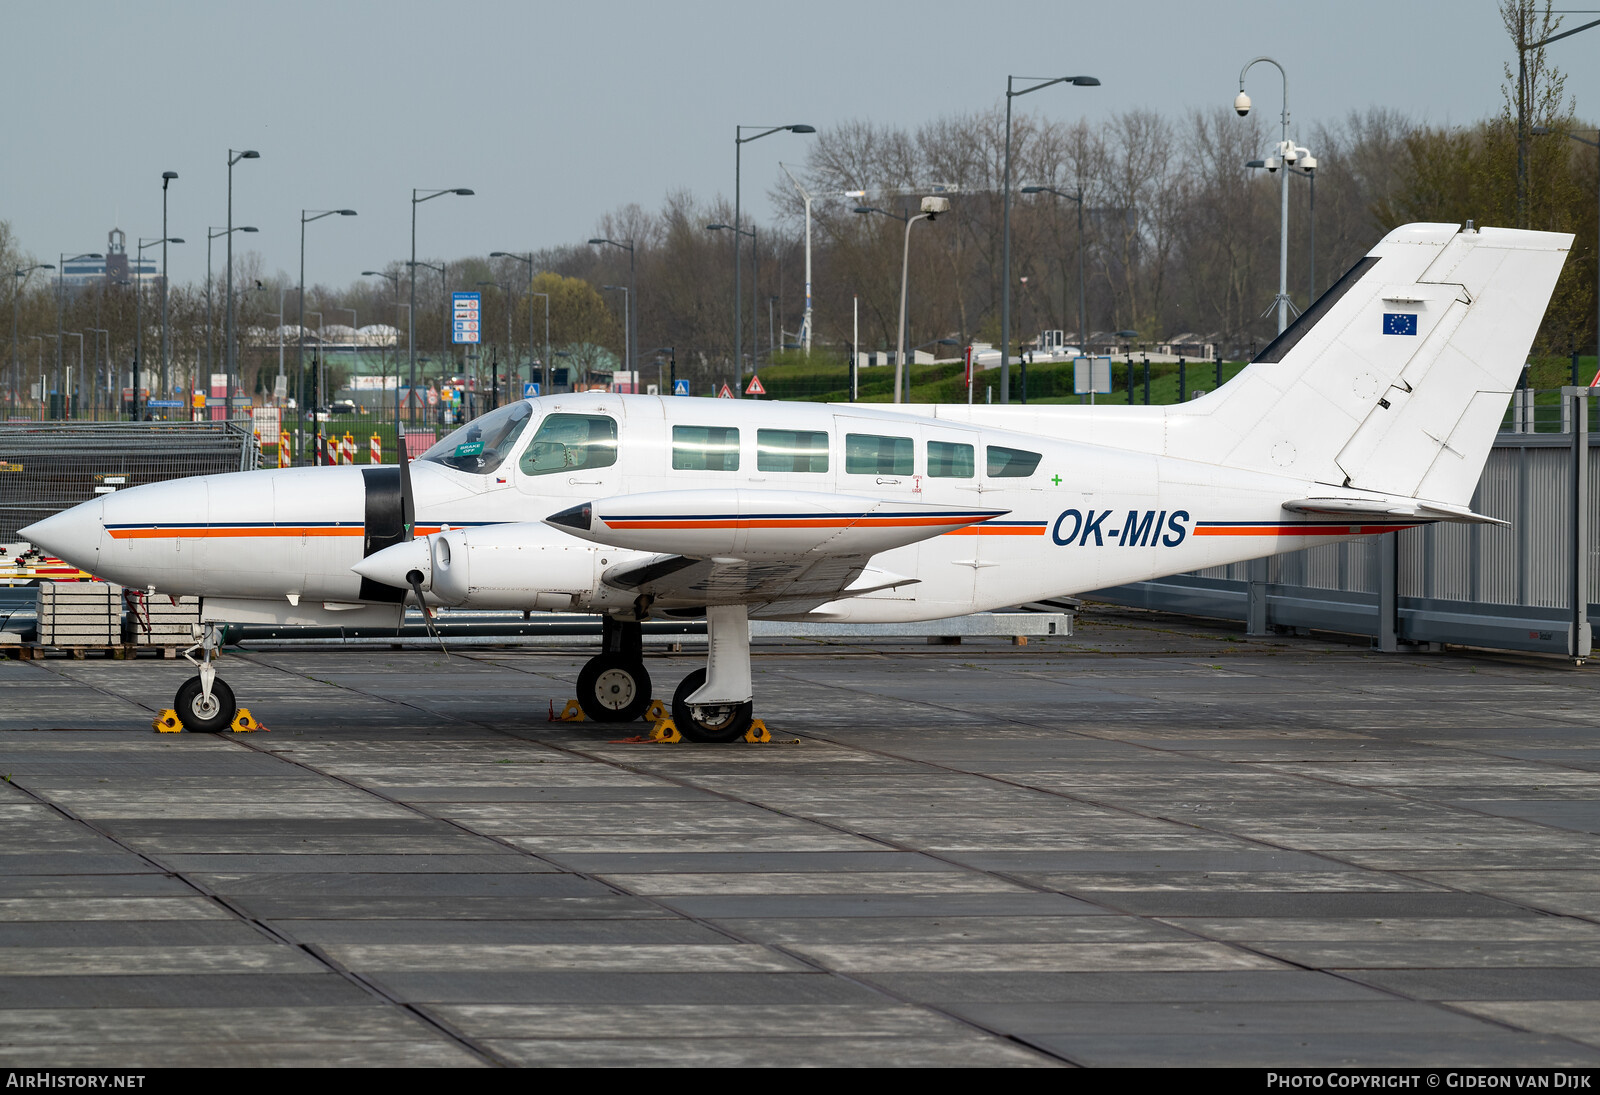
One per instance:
(465, 314)
(530, 391)
(680, 387)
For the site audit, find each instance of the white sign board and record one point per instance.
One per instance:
(466, 310)
(1091, 375)
(266, 424)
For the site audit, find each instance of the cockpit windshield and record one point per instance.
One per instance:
(481, 445)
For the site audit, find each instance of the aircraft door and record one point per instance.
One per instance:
(575, 451)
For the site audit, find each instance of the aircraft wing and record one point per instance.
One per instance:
(780, 552)
(1387, 509)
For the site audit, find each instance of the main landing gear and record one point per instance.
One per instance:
(713, 704)
(205, 703)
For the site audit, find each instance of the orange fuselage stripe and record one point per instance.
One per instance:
(1297, 530)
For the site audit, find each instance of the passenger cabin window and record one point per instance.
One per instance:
(948, 460)
(571, 442)
(479, 447)
(1007, 463)
(705, 448)
(791, 450)
(871, 454)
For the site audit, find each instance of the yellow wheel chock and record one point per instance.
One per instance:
(656, 712)
(665, 730)
(758, 733)
(166, 722)
(572, 712)
(244, 722)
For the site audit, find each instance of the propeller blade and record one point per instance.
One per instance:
(408, 505)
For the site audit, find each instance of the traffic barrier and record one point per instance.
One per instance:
(347, 449)
(283, 448)
(375, 449)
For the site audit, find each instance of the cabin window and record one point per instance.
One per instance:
(571, 442)
(1007, 463)
(705, 448)
(481, 445)
(948, 460)
(871, 454)
(791, 450)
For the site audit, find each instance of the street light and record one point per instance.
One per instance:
(393, 280)
(931, 208)
(227, 338)
(1083, 333)
(1306, 169)
(545, 370)
(1005, 271)
(1287, 156)
(138, 313)
(1522, 109)
(633, 376)
(60, 292)
(19, 277)
(214, 234)
(528, 262)
(494, 367)
(306, 217)
(411, 316)
(631, 347)
(166, 344)
(739, 141)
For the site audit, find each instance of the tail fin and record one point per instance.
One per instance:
(1396, 380)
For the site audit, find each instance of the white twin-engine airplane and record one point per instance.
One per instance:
(1373, 412)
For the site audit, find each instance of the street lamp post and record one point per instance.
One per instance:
(1541, 131)
(931, 208)
(633, 376)
(494, 367)
(545, 370)
(227, 338)
(60, 293)
(213, 234)
(138, 313)
(1523, 89)
(411, 316)
(306, 217)
(1083, 334)
(67, 395)
(738, 355)
(19, 278)
(739, 141)
(393, 280)
(44, 384)
(1288, 154)
(632, 340)
(99, 368)
(805, 323)
(528, 262)
(166, 343)
(1040, 84)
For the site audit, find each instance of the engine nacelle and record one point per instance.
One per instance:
(523, 565)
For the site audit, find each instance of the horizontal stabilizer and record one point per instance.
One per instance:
(1387, 509)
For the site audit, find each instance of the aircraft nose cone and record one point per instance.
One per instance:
(391, 565)
(73, 534)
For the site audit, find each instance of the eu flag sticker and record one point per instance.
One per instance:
(1399, 323)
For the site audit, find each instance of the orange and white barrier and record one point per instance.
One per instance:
(283, 448)
(375, 449)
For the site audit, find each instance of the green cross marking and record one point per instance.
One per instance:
(1056, 480)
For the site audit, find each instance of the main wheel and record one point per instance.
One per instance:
(613, 688)
(722, 722)
(197, 714)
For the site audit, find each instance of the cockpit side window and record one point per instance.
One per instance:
(950, 460)
(1007, 463)
(480, 446)
(567, 442)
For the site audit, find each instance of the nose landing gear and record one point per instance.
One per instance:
(614, 685)
(205, 703)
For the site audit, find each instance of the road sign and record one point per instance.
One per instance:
(466, 310)
(680, 387)
(755, 387)
(530, 391)
(725, 393)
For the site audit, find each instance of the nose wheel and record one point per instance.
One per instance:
(613, 686)
(205, 703)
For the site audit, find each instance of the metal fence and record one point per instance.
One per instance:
(46, 467)
(1510, 587)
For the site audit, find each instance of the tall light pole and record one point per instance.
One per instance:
(494, 367)
(166, 343)
(544, 378)
(60, 293)
(1040, 83)
(215, 234)
(67, 400)
(805, 322)
(394, 281)
(306, 217)
(1523, 91)
(931, 208)
(1083, 334)
(1287, 155)
(44, 385)
(739, 141)
(99, 367)
(227, 338)
(633, 376)
(1541, 131)
(417, 198)
(528, 262)
(631, 321)
(19, 278)
(738, 356)
(138, 316)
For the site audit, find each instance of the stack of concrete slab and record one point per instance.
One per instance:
(158, 621)
(80, 614)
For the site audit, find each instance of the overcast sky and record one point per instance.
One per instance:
(557, 112)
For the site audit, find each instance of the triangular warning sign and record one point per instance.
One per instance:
(725, 393)
(755, 387)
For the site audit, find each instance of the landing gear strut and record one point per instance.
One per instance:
(205, 703)
(714, 704)
(613, 686)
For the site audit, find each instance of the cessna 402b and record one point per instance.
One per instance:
(1373, 412)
